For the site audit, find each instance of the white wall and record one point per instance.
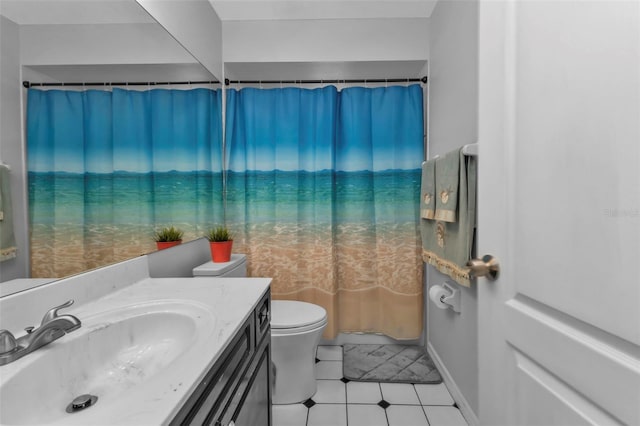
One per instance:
(99, 44)
(11, 151)
(328, 40)
(453, 122)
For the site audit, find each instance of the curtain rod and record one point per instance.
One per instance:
(373, 80)
(29, 84)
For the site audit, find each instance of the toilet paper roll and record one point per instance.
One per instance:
(436, 293)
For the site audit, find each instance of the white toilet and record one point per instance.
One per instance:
(296, 328)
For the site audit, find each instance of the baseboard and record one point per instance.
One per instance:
(366, 339)
(460, 400)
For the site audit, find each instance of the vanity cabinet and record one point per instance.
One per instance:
(237, 389)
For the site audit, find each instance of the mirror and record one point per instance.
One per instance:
(89, 41)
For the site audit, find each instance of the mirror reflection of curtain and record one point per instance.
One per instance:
(108, 168)
(323, 195)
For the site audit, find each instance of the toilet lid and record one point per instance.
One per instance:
(293, 314)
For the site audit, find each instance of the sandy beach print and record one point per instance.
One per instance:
(318, 233)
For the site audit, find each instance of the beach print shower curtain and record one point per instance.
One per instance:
(106, 168)
(322, 194)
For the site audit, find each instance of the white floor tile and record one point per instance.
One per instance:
(366, 415)
(399, 393)
(330, 392)
(329, 370)
(290, 415)
(406, 415)
(363, 393)
(329, 353)
(444, 416)
(434, 394)
(331, 410)
(327, 415)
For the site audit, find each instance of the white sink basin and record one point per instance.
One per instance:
(116, 355)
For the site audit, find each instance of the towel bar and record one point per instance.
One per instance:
(469, 149)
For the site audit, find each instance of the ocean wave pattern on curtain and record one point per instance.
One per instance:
(322, 194)
(107, 168)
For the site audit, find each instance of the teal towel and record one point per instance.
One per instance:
(428, 190)
(448, 246)
(447, 183)
(7, 239)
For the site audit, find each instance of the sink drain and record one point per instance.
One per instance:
(81, 402)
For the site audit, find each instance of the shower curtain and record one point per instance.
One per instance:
(108, 168)
(322, 194)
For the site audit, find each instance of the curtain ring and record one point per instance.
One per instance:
(386, 83)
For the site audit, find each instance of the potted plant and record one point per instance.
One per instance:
(167, 237)
(220, 241)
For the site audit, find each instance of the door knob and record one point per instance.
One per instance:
(487, 267)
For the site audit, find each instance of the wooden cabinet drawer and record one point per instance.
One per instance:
(213, 392)
(238, 386)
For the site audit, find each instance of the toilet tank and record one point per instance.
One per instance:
(236, 267)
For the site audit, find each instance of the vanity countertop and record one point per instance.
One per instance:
(225, 302)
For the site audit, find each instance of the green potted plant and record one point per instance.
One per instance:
(220, 242)
(167, 237)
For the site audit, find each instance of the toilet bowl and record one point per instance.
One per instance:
(296, 328)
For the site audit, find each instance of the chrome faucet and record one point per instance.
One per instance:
(52, 327)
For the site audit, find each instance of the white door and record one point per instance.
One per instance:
(559, 206)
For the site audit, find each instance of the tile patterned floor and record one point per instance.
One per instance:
(340, 402)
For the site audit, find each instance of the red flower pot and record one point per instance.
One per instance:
(166, 244)
(221, 250)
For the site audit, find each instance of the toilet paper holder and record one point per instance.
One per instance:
(453, 299)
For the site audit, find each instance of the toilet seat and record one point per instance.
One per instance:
(293, 317)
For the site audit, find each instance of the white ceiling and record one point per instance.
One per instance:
(33, 12)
